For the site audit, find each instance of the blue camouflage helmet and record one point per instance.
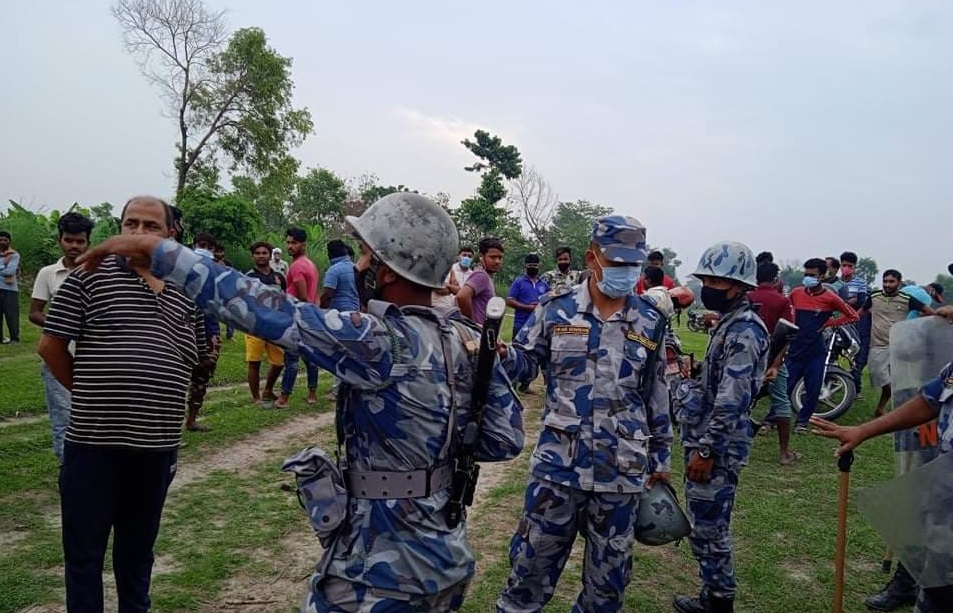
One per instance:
(620, 238)
(728, 260)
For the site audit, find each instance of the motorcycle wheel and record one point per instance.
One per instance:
(837, 395)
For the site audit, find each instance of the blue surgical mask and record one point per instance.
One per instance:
(465, 261)
(810, 282)
(204, 253)
(618, 281)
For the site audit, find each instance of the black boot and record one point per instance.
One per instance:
(704, 604)
(721, 605)
(900, 591)
(687, 604)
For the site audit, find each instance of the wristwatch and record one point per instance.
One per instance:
(704, 451)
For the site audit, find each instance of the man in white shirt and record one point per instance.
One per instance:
(445, 298)
(74, 230)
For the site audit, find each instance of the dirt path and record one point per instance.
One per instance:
(285, 583)
(289, 565)
(252, 450)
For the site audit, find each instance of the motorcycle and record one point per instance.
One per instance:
(838, 390)
(696, 320)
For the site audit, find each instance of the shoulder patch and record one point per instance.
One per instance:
(641, 339)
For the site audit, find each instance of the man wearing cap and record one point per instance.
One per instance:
(406, 380)
(606, 433)
(713, 411)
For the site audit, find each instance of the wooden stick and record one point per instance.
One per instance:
(843, 464)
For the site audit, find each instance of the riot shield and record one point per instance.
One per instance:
(919, 349)
(917, 524)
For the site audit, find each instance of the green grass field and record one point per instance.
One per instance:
(232, 540)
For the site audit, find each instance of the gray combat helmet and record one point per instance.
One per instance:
(728, 260)
(660, 519)
(413, 235)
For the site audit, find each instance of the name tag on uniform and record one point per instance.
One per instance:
(642, 340)
(571, 330)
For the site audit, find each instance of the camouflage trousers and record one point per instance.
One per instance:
(202, 374)
(543, 541)
(709, 507)
(334, 595)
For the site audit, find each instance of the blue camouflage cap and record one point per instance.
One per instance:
(620, 238)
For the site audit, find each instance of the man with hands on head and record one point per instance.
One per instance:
(406, 380)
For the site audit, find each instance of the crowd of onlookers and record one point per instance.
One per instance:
(137, 329)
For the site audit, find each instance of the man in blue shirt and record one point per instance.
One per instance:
(523, 297)
(340, 286)
(525, 292)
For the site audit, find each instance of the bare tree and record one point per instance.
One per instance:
(534, 201)
(174, 41)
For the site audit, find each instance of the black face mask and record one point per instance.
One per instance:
(367, 282)
(716, 299)
(531, 272)
(563, 268)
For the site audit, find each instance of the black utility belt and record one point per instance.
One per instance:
(389, 484)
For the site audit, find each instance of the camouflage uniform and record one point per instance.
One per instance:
(600, 439)
(713, 410)
(557, 279)
(399, 551)
(938, 393)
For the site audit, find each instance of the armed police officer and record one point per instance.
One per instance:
(713, 413)
(606, 431)
(406, 378)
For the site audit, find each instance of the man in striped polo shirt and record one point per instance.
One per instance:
(137, 340)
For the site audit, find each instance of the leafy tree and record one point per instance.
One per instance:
(107, 224)
(867, 270)
(230, 218)
(572, 227)
(271, 193)
(319, 197)
(495, 161)
(230, 96)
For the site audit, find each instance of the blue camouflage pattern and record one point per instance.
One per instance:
(709, 506)
(938, 393)
(620, 238)
(395, 417)
(338, 596)
(713, 409)
(599, 441)
(728, 260)
(543, 542)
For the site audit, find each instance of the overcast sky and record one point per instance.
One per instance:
(801, 127)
